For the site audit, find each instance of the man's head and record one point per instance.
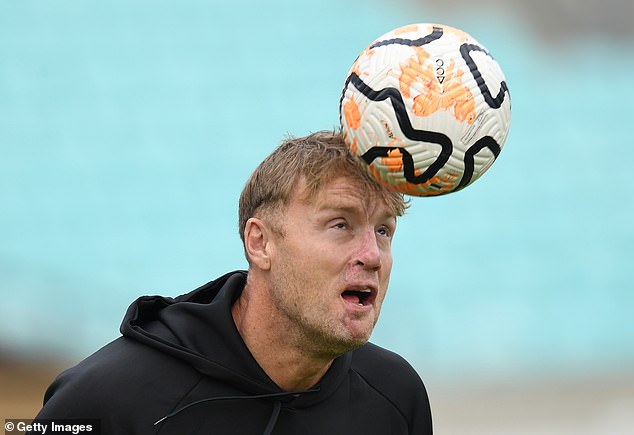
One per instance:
(317, 230)
(317, 159)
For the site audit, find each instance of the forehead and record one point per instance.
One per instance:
(340, 192)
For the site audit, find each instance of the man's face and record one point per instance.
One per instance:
(330, 268)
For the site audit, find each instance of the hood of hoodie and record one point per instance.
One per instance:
(198, 328)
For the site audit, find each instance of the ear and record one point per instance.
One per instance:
(256, 243)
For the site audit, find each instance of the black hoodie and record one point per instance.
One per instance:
(181, 367)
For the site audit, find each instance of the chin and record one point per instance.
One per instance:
(355, 341)
(335, 346)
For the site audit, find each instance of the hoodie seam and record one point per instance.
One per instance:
(180, 401)
(390, 401)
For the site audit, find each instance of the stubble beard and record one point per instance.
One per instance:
(313, 330)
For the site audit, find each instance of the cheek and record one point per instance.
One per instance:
(386, 270)
(387, 263)
(307, 262)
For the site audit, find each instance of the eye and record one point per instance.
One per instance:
(340, 225)
(384, 231)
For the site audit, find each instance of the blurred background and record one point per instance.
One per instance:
(127, 130)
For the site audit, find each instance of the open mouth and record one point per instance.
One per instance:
(359, 297)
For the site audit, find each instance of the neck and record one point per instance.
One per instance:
(271, 342)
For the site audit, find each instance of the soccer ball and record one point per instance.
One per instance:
(427, 107)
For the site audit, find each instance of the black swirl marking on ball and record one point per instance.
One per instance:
(469, 165)
(436, 33)
(494, 103)
(410, 132)
(406, 157)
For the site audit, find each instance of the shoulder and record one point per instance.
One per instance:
(123, 361)
(383, 366)
(391, 376)
(110, 384)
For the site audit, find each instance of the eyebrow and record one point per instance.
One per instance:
(345, 208)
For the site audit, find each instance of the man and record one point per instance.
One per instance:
(282, 348)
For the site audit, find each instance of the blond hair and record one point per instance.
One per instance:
(316, 158)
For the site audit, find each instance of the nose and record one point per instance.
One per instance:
(369, 252)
